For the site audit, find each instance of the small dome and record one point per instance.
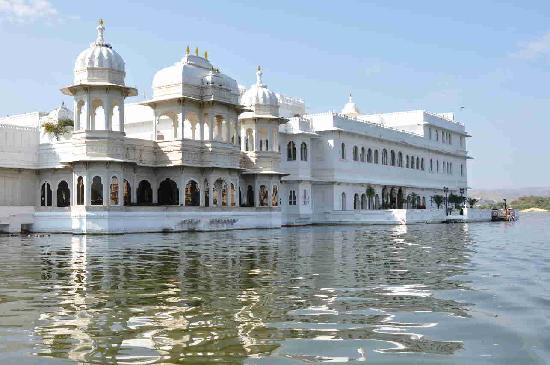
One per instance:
(351, 109)
(99, 63)
(60, 113)
(191, 72)
(259, 98)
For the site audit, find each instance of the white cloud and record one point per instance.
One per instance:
(535, 48)
(27, 11)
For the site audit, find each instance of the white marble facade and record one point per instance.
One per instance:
(205, 153)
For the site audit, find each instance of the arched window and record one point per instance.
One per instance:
(422, 163)
(303, 151)
(343, 201)
(192, 194)
(275, 196)
(356, 202)
(168, 193)
(343, 151)
(384, 156)
(250, 196)
(417, 163)
(80, 191)
(46, 195)
(97, 191)
(355, 153)
(291, 151)
(232, 195)
(392, 157)
(63, 194)
(364, 201)
(263, 196)
(362, 155)
(375, 156)
(400, 159)
(407, 164)
(217, 192)
(412, 162)
(144, 193)
(224, 194)
(292, 197)
(369, 155)
(114, 190)
(127, 193)
(461, 170)
(437, 166)
(206, 193)
(431, 165)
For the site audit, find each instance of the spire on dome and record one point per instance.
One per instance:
(351, 109)
(100, 40)
(259, 74)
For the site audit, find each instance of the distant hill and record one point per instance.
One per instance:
(530, 202)
(496, 195)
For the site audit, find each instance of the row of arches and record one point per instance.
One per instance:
(170, 126)
(392, 158)
(291, 151)
(223, 194)
(99, 115)
(63, 194)
(360, 202)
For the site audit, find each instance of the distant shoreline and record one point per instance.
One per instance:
(534, 210)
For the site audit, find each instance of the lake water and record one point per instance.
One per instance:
(419, 294)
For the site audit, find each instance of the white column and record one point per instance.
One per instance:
(255, 140)
(155, 125)
(107, 109)
(211, 128)
(88, 112)
(120, 189)
(121, 114)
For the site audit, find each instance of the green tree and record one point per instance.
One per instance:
(472, 202)
(438, 200)
(57, 129)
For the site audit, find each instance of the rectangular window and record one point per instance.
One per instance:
(305, 197)
(292, 197)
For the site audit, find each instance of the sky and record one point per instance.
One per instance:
(490, 57)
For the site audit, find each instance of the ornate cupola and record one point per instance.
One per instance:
(351, 109)
(261, 100)
(99, 89)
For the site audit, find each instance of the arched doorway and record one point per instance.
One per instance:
(263, 196)
(364, 201)
(206, 193)
(192, 194)
(63, 194)
(250, 196)
(97, 191)
(168, 193)
(80, 191)
(127, 193)
(144, 193)
(400, 198)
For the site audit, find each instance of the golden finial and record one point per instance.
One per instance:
(196, 51)
(206, 54)
(187, 50)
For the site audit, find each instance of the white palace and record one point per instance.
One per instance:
(205, 154)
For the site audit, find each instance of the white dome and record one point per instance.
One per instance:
(351, 109)
(259, 98)
(99, 63)
(188, 76)
(99, 57)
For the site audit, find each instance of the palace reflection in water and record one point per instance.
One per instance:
(293, 295)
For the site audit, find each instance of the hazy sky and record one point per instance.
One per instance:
(492, 57)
